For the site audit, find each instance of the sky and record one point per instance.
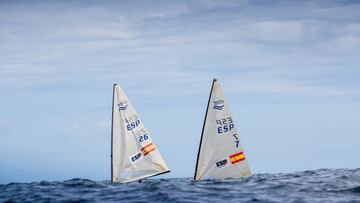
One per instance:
(289, 69)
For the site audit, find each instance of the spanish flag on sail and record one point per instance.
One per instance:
(148, 148)
(235, 158)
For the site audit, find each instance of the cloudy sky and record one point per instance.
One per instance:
(290, 70)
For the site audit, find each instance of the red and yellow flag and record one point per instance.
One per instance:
(235, 158)
(148, 148)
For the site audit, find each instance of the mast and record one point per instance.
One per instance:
(112, 124)
(202, 132)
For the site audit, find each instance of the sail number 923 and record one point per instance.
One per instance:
(224, 125)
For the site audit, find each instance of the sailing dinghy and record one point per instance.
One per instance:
(220, 153)
(134, 155)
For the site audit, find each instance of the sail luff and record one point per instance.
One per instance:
(112, 134)
(202, 132)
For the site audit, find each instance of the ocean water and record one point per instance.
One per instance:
(323, 185)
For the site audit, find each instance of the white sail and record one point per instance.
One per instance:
(134, 154)
(221, 154)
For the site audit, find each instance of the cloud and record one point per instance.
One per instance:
(88, 129)
(187, 41)
(278, 83)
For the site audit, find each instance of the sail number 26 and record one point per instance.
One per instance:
(224, 125)
(141, 134)
(143, 138)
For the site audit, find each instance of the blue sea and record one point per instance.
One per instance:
(323, 185)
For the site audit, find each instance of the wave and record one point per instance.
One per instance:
(322, 185)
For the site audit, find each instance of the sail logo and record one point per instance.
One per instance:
(221, 163)
(219, 104)
(136, 157)
(123, 105)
